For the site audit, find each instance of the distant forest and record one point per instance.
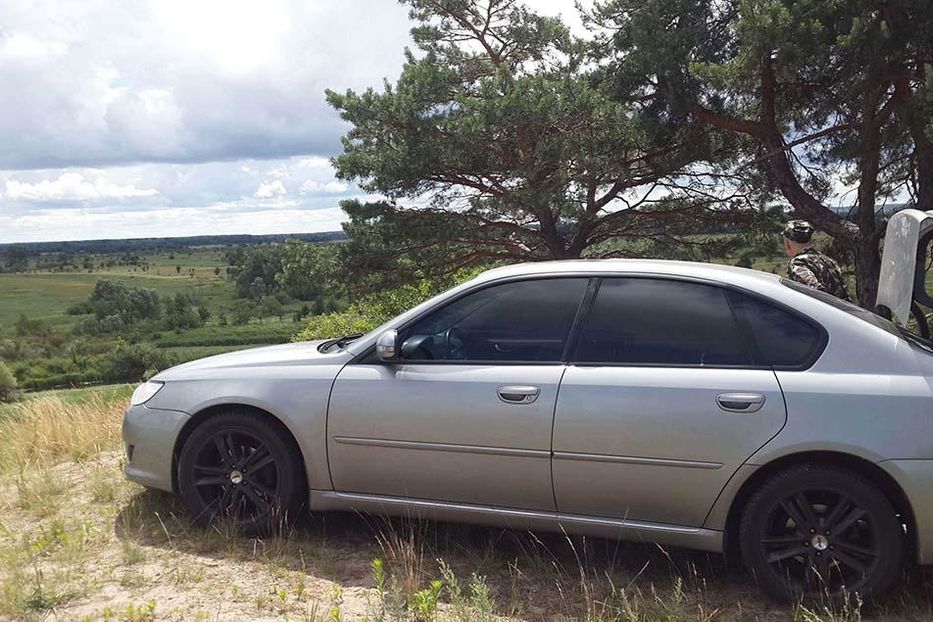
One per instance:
(141, 245)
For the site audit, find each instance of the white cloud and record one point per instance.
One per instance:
(74, 187)
(98, 82)
(83, 203)
(25, 46)
(168, 117)
(269, 189)
(311, 186)
(85, 224)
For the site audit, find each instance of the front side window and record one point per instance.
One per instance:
(519, 321)
(645, 321)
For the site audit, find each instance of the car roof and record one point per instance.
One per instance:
(710, 271)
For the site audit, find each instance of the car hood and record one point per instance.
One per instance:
(286, 355)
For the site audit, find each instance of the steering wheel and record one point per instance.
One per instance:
(455, 343)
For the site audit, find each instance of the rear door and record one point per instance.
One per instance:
(466, 414)
(664, 400)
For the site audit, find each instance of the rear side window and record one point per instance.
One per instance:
(783, 339)
(643, 321)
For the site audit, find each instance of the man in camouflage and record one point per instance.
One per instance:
(808, 265)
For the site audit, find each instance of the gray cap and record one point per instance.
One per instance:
(798, 231)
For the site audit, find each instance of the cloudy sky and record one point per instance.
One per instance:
(136, 118)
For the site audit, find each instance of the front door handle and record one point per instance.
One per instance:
(740, 402)
(518, 394)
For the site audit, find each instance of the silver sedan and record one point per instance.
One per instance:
(685, 404)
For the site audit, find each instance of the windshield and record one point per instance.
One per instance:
(863, 314)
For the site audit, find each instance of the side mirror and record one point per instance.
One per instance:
(386, 345)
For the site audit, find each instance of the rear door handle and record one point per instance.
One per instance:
(740, 402)
(518, 394)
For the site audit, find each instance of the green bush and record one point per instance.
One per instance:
(7, 383)
(746, 260)
(375, 309)
(134, 362)
(132, 304)
(356, 319)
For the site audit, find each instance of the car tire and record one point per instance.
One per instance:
(242, 468)
(817, 533)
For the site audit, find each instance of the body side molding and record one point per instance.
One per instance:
(604, 527)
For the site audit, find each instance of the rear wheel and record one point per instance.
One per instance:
(240, 467)
(814, 532)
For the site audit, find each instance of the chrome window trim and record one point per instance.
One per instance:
(587, 302)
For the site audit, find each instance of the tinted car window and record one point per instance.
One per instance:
(661, 322)
(863, 314)
(520, 321)
(783, 339)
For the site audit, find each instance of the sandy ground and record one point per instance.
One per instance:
(79, 542)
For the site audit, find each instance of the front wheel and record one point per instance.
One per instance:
(240, 467)
(815, 532)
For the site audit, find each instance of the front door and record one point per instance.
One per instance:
(466, 414)
(664, 400)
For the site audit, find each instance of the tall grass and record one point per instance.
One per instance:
(46, 430)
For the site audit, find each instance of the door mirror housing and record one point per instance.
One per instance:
(387, 345)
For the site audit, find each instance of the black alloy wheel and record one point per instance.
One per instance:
(240, 467)
(817, 532)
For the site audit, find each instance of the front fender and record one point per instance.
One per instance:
(300, 404)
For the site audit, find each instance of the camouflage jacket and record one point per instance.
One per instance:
(815, 269)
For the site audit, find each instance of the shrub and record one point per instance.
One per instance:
(356, 319)
(746, 260)
(180, 313)
(242, 312)
(134, 362)
(7, 383)
(375, 309)
(112, 323)
(130, 303)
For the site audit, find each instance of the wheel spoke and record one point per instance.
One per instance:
(806, 509)
(782, 540)
(261, 504)
(262, 488)
(847, 521)
(788, 506)
(856, 549)
(231, 448)
(259, 459)
(787, 553)
(260, 465)
(225, 498)
(221, 446)
(217, 480)
(838, 510)
(215, 470)
(258, 452)
(847, 560)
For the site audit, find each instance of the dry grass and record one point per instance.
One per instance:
(79, 542)
(46, 430)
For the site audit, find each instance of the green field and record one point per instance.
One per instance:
(47, 295)
(71, 347)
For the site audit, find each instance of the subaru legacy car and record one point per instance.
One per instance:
(685, 404)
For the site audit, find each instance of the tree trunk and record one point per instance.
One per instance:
(923, 153)
(867, 271)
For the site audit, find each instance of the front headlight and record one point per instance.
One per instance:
(145, 392)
